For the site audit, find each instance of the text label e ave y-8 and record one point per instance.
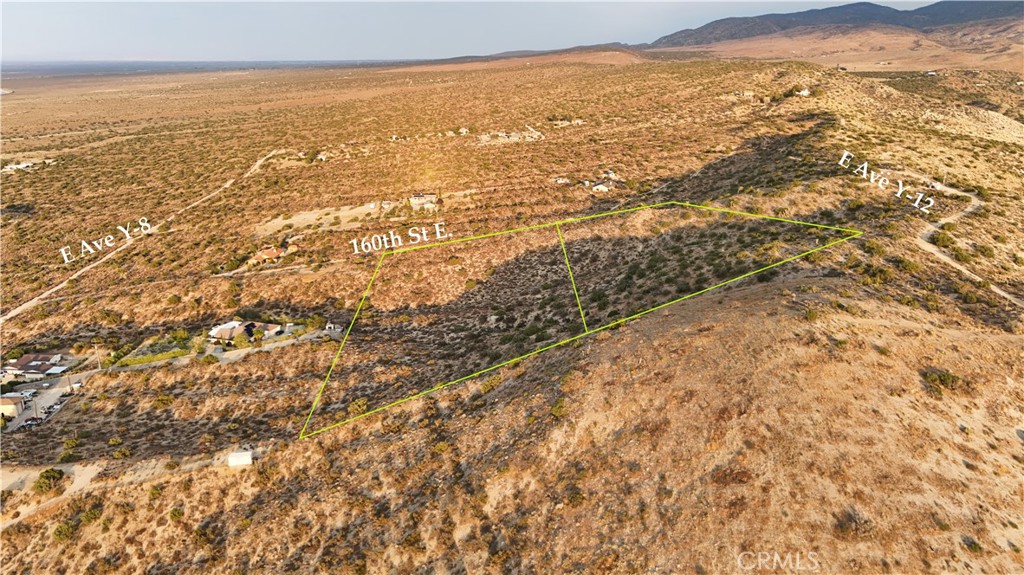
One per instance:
(88, 248)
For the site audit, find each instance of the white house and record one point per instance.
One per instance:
(423, 201)
(600, 188)
(805, 92)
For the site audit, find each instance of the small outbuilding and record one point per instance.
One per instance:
(240, 459)
(11, 405)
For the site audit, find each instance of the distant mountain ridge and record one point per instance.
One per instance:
(865, 13)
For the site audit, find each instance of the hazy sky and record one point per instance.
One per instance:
(48, 31)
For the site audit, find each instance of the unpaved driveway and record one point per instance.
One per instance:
(922, 240)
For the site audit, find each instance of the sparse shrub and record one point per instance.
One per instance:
(811, 314)
(559, 410)
(935, 380)
(64, 531)
(176, 514)
(942, 239)
(985, 250)
(122, 453)
(906, 265)
(851, 522)
(874, 248)
(357, 407)
(490, 383)
(48, 480)
(971, 544)
(90, 515)
(163, 400)
(115, 441)
(962, 255)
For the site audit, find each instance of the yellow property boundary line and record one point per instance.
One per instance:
(587, 332)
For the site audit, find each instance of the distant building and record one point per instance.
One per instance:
(931, 73)
(463, 131)
(600, 188)
(333, 327)
(563, 181)
(21, 166)
(35, 366)
(423, 201)
(267, 255)
(240, 459)
(226, 333)
(805, 92)
(387, 205)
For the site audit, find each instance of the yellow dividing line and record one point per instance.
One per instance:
(316, 402)
(575, 292)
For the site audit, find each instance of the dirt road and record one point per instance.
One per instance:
(922, 240)
(128, 242)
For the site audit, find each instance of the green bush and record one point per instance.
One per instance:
(152, 358)
(943, 240)
(874, 248)
(48, 480)
(357, 407)
(91, 514)
(935, 380)
(64, 531)
(906, 265)
(163, 400)
(559, 409)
